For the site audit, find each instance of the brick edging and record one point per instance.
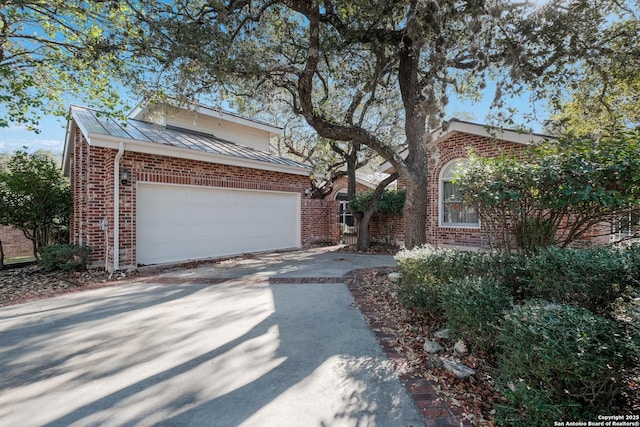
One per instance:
(430, 404)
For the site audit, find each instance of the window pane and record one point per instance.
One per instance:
(450, 190)
(454, 211)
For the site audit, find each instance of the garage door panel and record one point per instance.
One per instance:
(176, 223)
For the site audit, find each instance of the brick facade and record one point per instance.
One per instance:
(14, 244)
(320, 221)
(92, 183)
(456, 146)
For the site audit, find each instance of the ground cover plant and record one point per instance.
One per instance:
(561, 327)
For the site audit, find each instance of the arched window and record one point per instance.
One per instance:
(453, 212)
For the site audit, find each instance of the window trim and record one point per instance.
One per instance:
(441, 181)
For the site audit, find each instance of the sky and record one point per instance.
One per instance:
(51, 138)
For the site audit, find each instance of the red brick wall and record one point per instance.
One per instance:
(456, 146)
(320, 221)
(14, 244)
(387, 228)
(92, 186)
(91, 171)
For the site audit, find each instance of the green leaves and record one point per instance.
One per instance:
(34, 197)
(390, 201)
(49, 50)
(557, 192)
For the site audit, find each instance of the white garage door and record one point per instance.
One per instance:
(177, 223)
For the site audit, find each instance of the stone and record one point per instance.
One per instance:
(432, 362)
(442, 333)
(460, 347)
(432, 347)
(394, 277)
(131, 271)
(458, 369)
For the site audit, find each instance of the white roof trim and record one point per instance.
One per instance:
(488, 132)
(479, 130)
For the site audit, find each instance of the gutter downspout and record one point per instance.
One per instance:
(116, 207)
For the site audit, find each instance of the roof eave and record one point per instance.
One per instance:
(479, 130)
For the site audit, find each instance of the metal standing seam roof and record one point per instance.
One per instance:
(96, 123)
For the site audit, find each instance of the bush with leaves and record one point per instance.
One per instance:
(556, 193)
(64, 257)
(425, 270)
(567, 355)
(474, 307)
(595, 279)
(34, 197)
(390, 201)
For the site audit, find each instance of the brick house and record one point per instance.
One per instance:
(449, 222)
(174, 184)
(339, 194)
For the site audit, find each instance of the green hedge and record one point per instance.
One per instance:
(549, 318)
(591, 278)
(474, 307)
(425, 270)
(595, 279)
(560, 356)
(64, 257)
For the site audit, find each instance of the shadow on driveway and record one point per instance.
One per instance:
(233, 353)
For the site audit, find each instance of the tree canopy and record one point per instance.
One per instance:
(604, 93)
(34, 197)
(57, 48)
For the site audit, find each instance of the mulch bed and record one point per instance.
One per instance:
(442, 399)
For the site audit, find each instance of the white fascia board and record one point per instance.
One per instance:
(66, 154)
(112, 142)
(489, 132)
(365, 183)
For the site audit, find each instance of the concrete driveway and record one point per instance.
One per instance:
(272, 340)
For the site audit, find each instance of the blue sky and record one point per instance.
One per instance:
(51, 137)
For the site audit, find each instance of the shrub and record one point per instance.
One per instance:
(564, 354)
(64, 257)
(425, 270)
(594, 279)
(532, 407)
(473, 307)
(390, 201)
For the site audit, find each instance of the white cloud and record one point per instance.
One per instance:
(32, 144)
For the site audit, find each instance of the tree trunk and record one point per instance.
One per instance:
(364, 234)
(415, 211)
(1, 256)
(364, 218)
(34, 242)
